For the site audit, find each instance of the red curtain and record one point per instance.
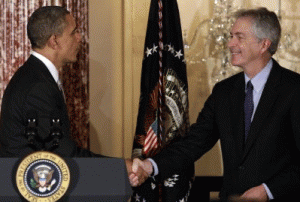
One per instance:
(15, 49)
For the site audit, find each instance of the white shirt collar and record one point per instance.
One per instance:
(48, 64)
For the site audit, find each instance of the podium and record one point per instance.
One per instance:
(92, 179)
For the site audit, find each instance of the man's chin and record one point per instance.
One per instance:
(72, 61)
(236, 63)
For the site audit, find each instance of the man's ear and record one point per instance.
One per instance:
(52, 42)
(266, 43)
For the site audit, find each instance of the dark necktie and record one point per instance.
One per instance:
(248, 107)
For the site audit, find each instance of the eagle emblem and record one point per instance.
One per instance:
(43, 176)
(42, 181)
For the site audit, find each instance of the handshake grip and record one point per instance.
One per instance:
(31, 131)
(139, 171)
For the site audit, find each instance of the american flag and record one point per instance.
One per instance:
(163, 116)
(151, 138)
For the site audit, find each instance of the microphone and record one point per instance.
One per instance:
(55, 130)
(30, 130)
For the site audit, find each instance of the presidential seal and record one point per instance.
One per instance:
(42, 176)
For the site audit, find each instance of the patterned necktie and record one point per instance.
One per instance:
(60, 86)
(248, 107)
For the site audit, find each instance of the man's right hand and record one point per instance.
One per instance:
(142, 170)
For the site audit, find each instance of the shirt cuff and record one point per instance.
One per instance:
(270, 195)
(154, 165)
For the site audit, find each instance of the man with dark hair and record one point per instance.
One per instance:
(45, 22)
(34, 87)
(34, 91)
(255, 115)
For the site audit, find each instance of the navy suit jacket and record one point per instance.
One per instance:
(271, 153)
(33, 89)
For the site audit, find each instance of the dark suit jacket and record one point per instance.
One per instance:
(32, 88)
(270, 155)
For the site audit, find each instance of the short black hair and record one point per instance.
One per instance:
(45, 22)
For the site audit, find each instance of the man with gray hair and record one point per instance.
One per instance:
(256, 116)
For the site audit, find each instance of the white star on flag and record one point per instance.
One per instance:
(148, 52)
(154, 48)
(137, 198)
(171, 48)
(178, 54)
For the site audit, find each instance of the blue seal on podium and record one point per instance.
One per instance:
(43, 176)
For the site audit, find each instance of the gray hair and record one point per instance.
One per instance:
(265, 25)
(45, 22)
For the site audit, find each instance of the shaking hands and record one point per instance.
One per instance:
(138, 171)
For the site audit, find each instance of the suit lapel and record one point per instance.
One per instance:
(264, 107)
(237, 109)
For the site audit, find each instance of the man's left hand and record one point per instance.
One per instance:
(257, 194)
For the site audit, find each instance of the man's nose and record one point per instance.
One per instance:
(79, 37)
(231, 42)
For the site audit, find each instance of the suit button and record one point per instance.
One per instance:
(241, 168)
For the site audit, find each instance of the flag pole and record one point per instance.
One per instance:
(161, 79)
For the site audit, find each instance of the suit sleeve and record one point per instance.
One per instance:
(202, 137)
(286, 182)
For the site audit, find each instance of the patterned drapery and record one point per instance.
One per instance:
(15, 49)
